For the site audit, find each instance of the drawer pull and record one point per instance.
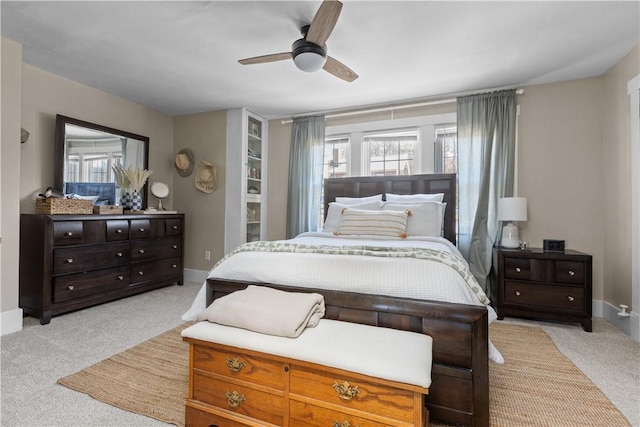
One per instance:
(518, 270)
(234, 399)
(174, 265)
(141, 230)
(140, 251)
(175, 227)
(68, 233)
(572, 273)
(69, 260)
(344, 424)
(235, 364)
(175, 246)
(517, 293)
(345, 391)
(71, 287)
(118, 231)
(570, 298)
(120, 277)
(140, 273)
(118, 254)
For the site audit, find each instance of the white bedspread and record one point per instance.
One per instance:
(406, 277)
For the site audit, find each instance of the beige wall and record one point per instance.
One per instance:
(616, 158)
(205, 134)
(11, 73)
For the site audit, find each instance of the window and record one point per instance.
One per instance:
(391, 153)
(336, 157)
(446, 149)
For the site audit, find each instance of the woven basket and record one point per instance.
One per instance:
(53, 206)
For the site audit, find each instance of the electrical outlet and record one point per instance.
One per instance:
(207, 255)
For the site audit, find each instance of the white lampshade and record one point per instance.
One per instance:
(309, 61)
(511, 209)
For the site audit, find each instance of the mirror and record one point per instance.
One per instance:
(160, 191)
(84, 155)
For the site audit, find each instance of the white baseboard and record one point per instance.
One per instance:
(10, 321)
(198, 276)
(629, 325)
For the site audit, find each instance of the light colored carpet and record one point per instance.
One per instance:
(537, 385)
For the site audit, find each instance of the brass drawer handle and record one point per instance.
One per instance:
(71, 287)
(572, 273)
(517, 293)
(68, 233)
(140, 273)
(344, 424)
(140, 251)
(570, 298)
(235, 364)
(234, 399)
(518, 270)
(345, 391)
(120, 277)
(69, 260)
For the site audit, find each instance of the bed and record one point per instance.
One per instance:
(459, 392)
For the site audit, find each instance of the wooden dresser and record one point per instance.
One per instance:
(544, 285)
(70, 262)
(232, 387)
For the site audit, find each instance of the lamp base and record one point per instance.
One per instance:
(510, 236)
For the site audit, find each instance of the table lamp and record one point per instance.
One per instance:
(511, 209)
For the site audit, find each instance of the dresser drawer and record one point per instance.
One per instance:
(85, 284)
(306, 415)
(240, 399)
(372, 398)
(517, 268)
(142, 228)
(164, 269)
(67, 233)
(86, 258)
(545, 296)
(173, 227)
(240, 366)
(570, 272)
(198, 418)
(117, 230)
(156, 248)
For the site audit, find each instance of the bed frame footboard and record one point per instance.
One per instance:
(459, 392)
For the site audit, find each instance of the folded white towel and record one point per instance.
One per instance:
(267, 310)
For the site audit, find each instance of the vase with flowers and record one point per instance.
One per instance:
(131, 180)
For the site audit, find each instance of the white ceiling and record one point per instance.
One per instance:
(181, 57)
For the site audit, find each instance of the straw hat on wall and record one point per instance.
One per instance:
(184, 162)
(206, 177)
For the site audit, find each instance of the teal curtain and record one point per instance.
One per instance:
(486, 155)
(305, 175)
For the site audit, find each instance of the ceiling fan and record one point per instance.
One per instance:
(310, 52)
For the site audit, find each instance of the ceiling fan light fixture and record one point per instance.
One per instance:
(307, 56)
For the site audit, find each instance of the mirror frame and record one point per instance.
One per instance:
(60, 138)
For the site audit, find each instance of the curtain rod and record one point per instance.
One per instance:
(381, 109)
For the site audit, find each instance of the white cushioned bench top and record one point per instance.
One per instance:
(390, 354)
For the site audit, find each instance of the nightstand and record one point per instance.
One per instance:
(540, 285)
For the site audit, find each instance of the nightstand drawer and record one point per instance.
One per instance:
(570, 272)
(517, 268)
(545, 296)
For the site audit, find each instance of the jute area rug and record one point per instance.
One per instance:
(536, 386)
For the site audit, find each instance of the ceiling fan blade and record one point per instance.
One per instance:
(339, 70)
(266, 58)
(324, 22)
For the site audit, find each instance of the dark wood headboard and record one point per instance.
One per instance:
(362, 186)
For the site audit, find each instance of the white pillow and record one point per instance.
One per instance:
(357, 200)
(334, 215)
(79, 197)
(425, 219)
(414, 198)
(375, 223)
